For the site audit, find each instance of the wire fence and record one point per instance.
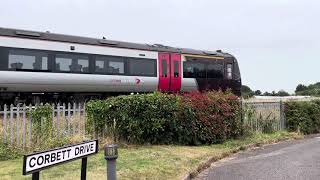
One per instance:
(69, 120)
(264, 116)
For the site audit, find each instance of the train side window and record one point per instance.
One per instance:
(72, 63)
(215, 70)
(100, 66)
(27, 60)
(176, 68)
(164, 68)
(115, 65)
(194, 70)
(142, 67)
(110, 65)
(84, 63)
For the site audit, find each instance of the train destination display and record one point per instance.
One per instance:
(40, 160)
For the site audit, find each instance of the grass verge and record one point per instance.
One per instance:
(148, 162)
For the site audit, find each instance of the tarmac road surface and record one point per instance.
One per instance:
(299, 159)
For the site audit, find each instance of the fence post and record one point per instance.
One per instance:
(84, 118)
(5, 124)
(282, 118)
(69, 117)
(18, 125)
(75, 119)
(11, 124)
(58, 119)
(30, 126)
(63, 118)
(24, 126)
(79, 123)
(53, 106)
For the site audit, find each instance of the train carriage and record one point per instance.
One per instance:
(43, 66)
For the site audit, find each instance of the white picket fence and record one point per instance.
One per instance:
(16, 125)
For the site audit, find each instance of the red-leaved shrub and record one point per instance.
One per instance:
(159, 118)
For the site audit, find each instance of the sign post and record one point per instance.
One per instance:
(34, 163)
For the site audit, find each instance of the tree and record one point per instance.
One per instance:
(311, 90)
(300, 88)
(257, 93)
(266, 94)
(246, 92)
(283, 93)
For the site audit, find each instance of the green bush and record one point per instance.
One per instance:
(7, 153)
(160, 118)
(303, 116)
(44, 136)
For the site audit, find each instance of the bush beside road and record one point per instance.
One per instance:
(303, 116)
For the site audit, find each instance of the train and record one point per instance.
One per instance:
(50, 67)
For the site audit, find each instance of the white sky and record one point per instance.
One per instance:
(276, 41)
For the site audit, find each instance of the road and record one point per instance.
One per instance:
(299, 159)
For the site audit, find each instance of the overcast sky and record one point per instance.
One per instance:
(277, 42)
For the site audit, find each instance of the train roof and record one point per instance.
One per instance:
(105, 42)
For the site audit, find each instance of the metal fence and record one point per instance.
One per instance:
(264, 116)
(69, 120)
(16, 123)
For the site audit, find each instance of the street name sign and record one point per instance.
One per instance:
(40, 160)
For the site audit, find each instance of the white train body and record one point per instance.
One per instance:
(44, 63)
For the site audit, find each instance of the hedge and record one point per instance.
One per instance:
(158, 118)
(303, 116)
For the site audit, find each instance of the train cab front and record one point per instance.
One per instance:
(206, 73)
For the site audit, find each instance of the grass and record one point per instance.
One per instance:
(147, 162)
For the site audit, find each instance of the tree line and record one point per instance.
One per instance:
(301, 90)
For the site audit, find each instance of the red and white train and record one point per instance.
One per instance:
(43, 66)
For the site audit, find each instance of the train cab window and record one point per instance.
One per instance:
(215, 70)
(229, 71)
(142, 67)
(194, 70)
(27, 60)
(176, 68)
(72, 63)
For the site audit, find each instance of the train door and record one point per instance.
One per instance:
(164, 71)
(175, 63)
(169, 72)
